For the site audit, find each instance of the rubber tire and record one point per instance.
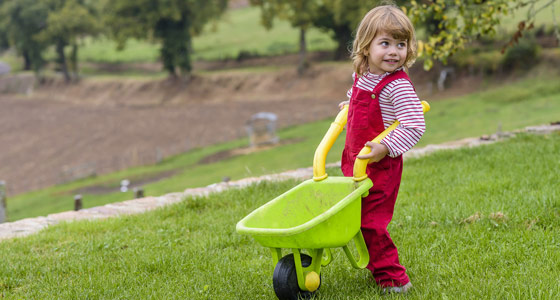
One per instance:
(284, 279)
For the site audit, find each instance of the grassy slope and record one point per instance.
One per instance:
(514, 106)
(191, 251)
(238, 30)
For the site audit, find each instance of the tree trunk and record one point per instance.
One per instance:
(168, 57)
(303, 64)
(343, 38)
(184, 58)
(74, 61)
(62, 60)
(26, 61)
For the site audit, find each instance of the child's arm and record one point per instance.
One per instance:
(408, 111)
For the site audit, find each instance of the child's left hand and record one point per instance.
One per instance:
(378, 151)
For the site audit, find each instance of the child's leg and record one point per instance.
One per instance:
(377, 212)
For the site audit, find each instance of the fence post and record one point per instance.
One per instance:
(77, 202)
(138, 192)
(2, 202)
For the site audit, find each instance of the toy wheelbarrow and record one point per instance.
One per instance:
(316, 215)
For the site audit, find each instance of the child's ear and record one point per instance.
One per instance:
(366, 51)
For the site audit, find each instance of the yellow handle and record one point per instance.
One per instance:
(334, 131)
(360, 164)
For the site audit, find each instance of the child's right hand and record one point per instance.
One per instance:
(341, 104)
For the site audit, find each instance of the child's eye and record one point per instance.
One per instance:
(401, 45)
(384, 43)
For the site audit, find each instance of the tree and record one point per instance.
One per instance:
(67, 22)
(20, 20)
(33, 25)
(300, 14)
(341, 18)
(172, 23)
(338, 17)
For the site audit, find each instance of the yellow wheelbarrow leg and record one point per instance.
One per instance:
(309, 277)
(362, 252)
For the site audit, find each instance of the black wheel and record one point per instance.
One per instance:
(284, 279)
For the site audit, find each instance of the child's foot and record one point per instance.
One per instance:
(397, 289)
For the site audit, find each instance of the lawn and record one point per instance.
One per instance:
(478, 223)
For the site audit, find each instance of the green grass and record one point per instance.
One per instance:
(241, 30)
(191, 250)
(237, 31)
(544, 17)
(513, 106)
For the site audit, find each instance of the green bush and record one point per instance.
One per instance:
(522, 55)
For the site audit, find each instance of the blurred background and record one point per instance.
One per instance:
(165, 94)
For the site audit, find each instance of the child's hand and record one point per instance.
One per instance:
(378, 151)
(341, 104)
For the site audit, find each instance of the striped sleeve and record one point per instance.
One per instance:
(408, 111)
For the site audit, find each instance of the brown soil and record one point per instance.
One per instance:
(62, 131)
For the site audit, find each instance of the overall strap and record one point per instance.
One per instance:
(389, 78)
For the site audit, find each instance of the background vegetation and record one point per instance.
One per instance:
(509, 107)
(66, 26)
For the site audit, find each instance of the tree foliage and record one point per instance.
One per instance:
(299, 13)
(172, 23)
(337, 17)
(67, 22)
(20, 20)
(459, 22)
(30, 26)
(449, 24)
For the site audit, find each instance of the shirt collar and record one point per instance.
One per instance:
(369, 75)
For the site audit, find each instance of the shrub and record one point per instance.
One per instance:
(521, 55)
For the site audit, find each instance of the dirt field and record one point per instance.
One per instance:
(61, 132)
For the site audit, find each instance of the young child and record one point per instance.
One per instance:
(384, 47)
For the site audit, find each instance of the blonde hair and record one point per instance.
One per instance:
(389, 19)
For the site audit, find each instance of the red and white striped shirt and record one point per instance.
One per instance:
(398, 101)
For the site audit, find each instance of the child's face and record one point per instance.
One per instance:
(386, 54)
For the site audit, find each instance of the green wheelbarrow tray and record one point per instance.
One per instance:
(324, 214)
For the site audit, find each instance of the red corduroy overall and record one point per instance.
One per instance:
(364, 124)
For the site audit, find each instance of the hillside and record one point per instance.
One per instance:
(62, 132)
